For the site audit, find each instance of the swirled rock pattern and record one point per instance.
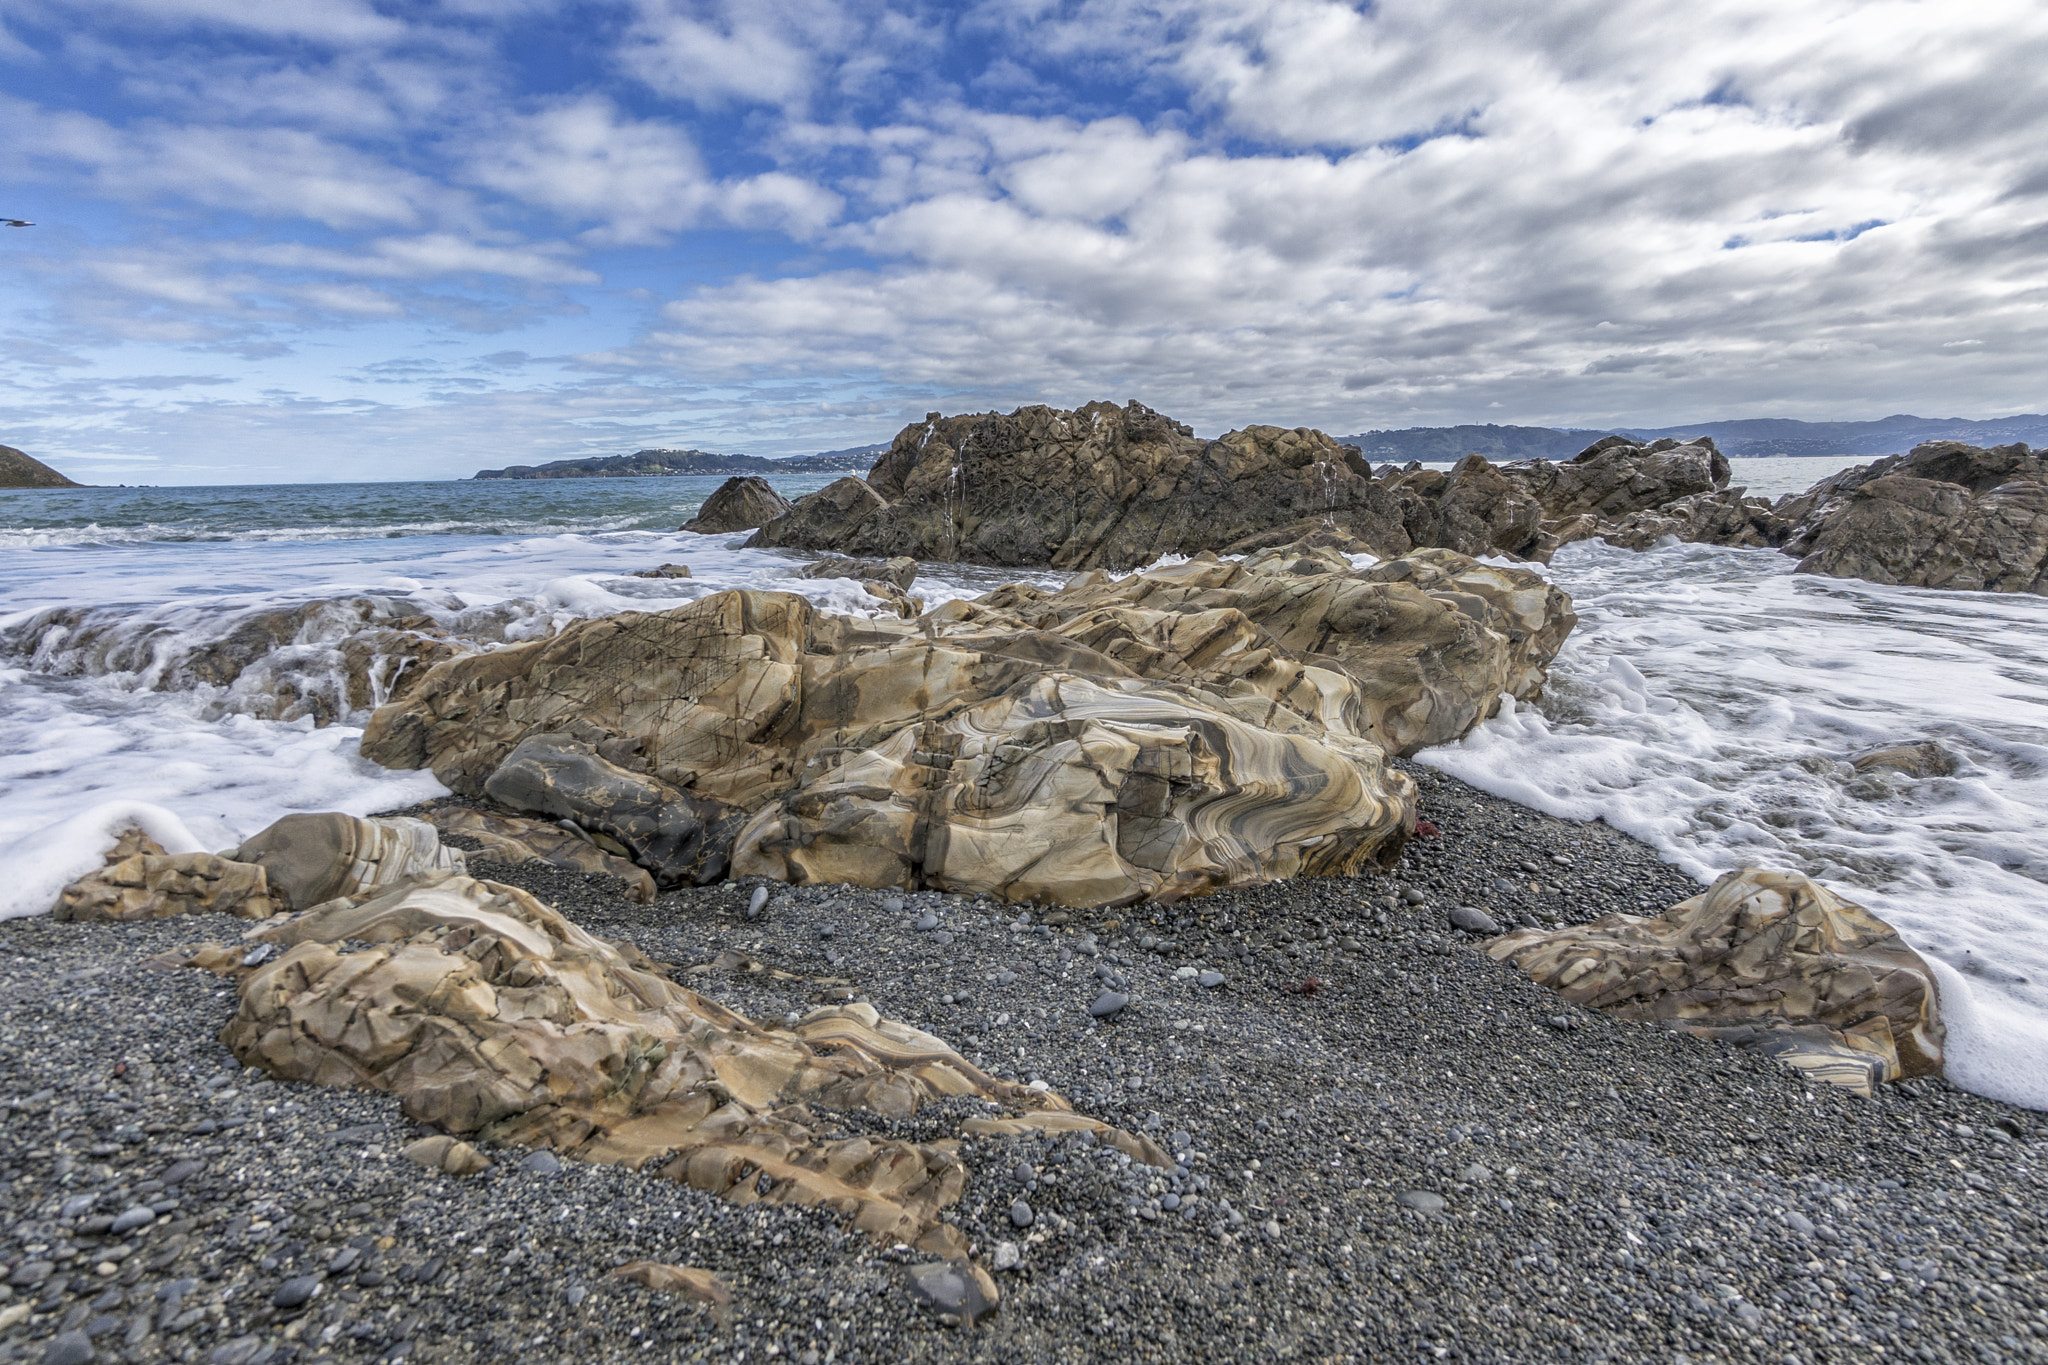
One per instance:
(1772, 960)
(512, 840)
(1262, 697)
(489, 1015)
(313, 858)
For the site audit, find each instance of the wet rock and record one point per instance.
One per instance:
(664, 571)
(821, 520)
(310, 859)
(900, 571)
(1769, 960)
(741, 503)
(141, 881)
(1925, 759)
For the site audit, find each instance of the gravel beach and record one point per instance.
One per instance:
(1390, 1147)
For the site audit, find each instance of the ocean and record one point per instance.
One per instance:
(1706, 704)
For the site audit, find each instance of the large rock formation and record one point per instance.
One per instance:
(1201, 725)
(18, 470)
(739, 504)
(1948, 515)
(486, 1013)
(1114, 487)
(313, 858)
(1771, 960)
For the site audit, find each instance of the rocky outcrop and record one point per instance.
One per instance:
(511, 840)
(18, 470)
(901, 571)
(141, 881)
(492, 1017)
(741, 503)
(1770, 960)
(1947, 515)
(1724, 517)
(1110, 487)
(1201, 725)
(311, 859)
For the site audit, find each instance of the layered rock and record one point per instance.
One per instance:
(310, 859)
(741, 503)
(512, 840)
(1114, 487)
(1200, 725)
(141, 881)
(1948, 515)
(1727, 516)
(491, 1016)
(1771, 960)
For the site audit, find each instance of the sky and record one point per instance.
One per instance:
(340, 239)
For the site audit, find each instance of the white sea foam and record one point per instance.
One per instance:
(1707, 704)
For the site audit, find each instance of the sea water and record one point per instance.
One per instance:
(1707, 703)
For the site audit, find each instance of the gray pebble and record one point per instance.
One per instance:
(541, 1163)
(75, 1205)
(927, 922)
(575, 1294)
(1021, 1214)
(132, 1219)
(1473, 920)
(296, 1292)
(1007, 1256)
(240, 1351)
(1475, 1174)
(757, 902)
(942, 938)
(1108, 1003)
(1414, 895)
(894, 905)
(1209, 980)
(1422, 1201)
(1798, 1221)
(68, 1348)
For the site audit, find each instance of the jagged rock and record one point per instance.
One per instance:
(491, 1016)
(680, 838)
(1947, 515)
(740, 504)
(1925, 759)
(901, 571)
(511, 840)
(141, 881)
(664, 571)
(1723, 517)
(666, 1278)
(761, 703)
(1771, 960)
(309, 859)
(1114, 487)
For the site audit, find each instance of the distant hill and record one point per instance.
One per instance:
(21, 471)
(1750, 436)
(654, 464)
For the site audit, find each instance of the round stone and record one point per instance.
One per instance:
(1414, 895)
(1422, 1201)
(1472, 920)
(1209, 980)
(927, 922)
(68, 1348)
(131, 1219)
(894, 905)
(541, 1163)
(757, 902)
(296, 1292)
(1021, 1214)
(1108, 1003)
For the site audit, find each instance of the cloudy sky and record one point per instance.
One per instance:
(312, 239)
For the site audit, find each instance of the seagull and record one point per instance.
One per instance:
(15, 222)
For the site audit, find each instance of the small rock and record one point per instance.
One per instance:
(1475, 1174)
(1170, 1202)
(75, 1205)
(575, 1294)
(1422, 1201)
(956, 1288)
(1414, 895)
(757, 902)
(1108, 1003)
(1209, 980)
(942, 938)
(894, 905)
(296, 1292)
(68, 1348)
(1021, 1214)
(1964, 1130)
(1007, 1256)
(1798, 1221)
(1272, 1228)
(542, 1163)
(240, 1351)
(927, 922)
(131, 1219)
(259, 955)
(1473, 920)
(445, 1154)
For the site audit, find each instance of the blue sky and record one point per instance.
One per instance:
(317, 239)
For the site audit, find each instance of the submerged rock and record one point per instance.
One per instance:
(1925, 759)
(739, 504)
(1770, 960)
(489, 1015)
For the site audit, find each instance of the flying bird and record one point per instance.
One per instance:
(15, 222)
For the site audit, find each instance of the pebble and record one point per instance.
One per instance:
(1414, 895)
(1210, 980)
(75, 1205)
(1007, 1256)
(131, 1219)
(68, 1348)
(1021, 1214)
(757, 902)
(894, 905)
(541, 1163)
(1475, 1174)
(1108, 1003)
(1473, 920)
(927, 922)
(1422, 1201)
(1798, 1221)
(296, 1292)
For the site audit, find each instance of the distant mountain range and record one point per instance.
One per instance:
(654, 464)
(1744, 437)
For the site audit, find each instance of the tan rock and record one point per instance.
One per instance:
(1770, 959)
(450, 1156)
(512, 840)
(664, 571)
(901, 570)
(665, 1278)
(489, 1015)
(1924, 759)
(313, 858)
(141, 881)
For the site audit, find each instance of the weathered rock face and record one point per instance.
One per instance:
(1114, 487)
(1771, 960)
(511, 840)
(488, 1014)
(310, 859)
(739, 504)
(681, 839)
(1725, 517)
(900, 571)
(141, 881)
(935, 752)
(1948, 515)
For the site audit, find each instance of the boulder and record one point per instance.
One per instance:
(741, 503)
(512, 840)
(681, 839)
(1771, 960)
(901, 571)
(309, 859)
(496, 1020)
(811, 724)
(141, 881)
(814, 520)
(1948, 515)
